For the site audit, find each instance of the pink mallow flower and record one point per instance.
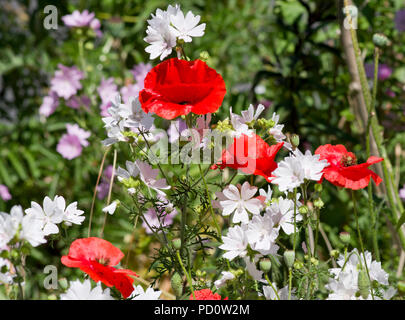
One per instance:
(71, 144)
(78, 19)
(49, 104)
(66, 81)
(83, 19)
(139, 72)
(384, 71)
(130, 90)
(75, 102)
(402, 193)
(4, 193)
(166, 219)
(107, 92)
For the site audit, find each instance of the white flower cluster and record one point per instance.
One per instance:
(259, 231)
(83, 291)
(125, 116)
(346, 281)
(38, 222)
(292, 171)
(167, 27)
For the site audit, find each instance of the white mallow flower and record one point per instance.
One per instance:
(113, 123)
(9, 224)
(311, 165)
(124, 116)
(249, 115)
(111, 208)
(344, 284)
(149, 294)
(131, 171)
(186, 27)
(71, 215)
(277, 132)
(225, 276)
(262, 234)
(83, 291)
(49, 215)
(133, 115)
(266, 197)
(255, 273)
(235, 243)
(32, 230)
(159, 34)
(149, 176)
(289, 174)
(239, 201)
(161, 38)
(166, 27)
(282, 294)
(282, 213)
(239, 127)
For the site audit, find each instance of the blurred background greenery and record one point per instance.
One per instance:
(286, 54)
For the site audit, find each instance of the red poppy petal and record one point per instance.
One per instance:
(177, 87)
(95, 249)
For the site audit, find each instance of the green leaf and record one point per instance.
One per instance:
(401, 220)
(19, 168)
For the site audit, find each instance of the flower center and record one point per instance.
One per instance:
(348, 160)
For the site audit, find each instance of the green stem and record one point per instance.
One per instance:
(289, 283)
(189, 280)
(392, 193)
(209, 202)
(274, 289)
(361, 240)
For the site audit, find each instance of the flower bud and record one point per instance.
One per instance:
(318, 187)
(177, 284)
(298, 265)
(177, 244)
(381, 40)
(237, 273)
(265, 265)
(14, 254)
(401, 286)
(363, 284)
(303, 210)
(289, 257)
(295, 140)
(318, 203)
(345, 237)
(314, 261)
(204, 56)
(334, 253)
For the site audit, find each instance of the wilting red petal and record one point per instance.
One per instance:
(177, 87)
(355, 176)
(251, 155)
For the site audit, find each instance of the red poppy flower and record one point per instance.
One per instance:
(252, 155)
(97, 257)
(177, 87)
(343, 170)
(206, 294)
